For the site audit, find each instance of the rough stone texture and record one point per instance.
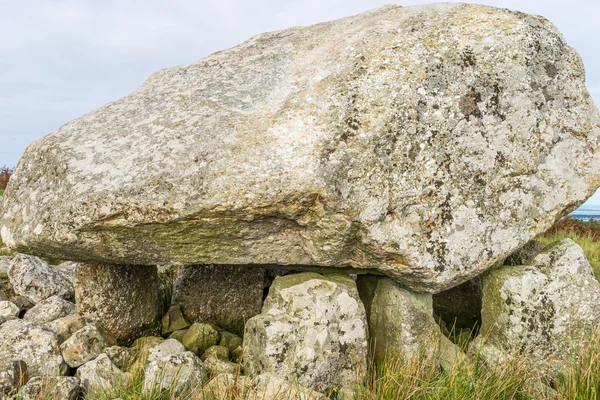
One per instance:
(67, 268)
(215, 366)
(122, 357)
(460, 307)
(66, 326)
(523, 255)
(427, 142)
(38, 348)
(37, 280)
(313, 328)
(123, 299)
(177, 371)
(13, 375)
(230, 340)
(220, 352)
(401, 324)
(173, 320)
(273, 387)
(85, 345)
(9, 309)
(225, 295)
(167, 348)
(100, 373)
(5, 262)
(539, 310)
(200, 337)
(56, 388)
(48, 310)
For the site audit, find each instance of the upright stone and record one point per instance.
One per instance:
(225, 295)
(122, 299)
(312, 328)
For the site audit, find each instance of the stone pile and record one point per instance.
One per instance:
(305, 203)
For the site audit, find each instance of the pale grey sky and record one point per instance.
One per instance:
(60, 59)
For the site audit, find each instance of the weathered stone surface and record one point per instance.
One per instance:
(200, 337)
(230, 340)
(270, 386)
(225, 295)
(312, 328)
(226, 384)
(525, 253)
(5, 262)
(67, 268)
(177, 371)
(100, 373)
(9, 309)
(56, 388)
(215, 366)
(375, 141)
(541, 310)
(13, 375)
(167, 348)
(219, 352)
(122, 357)
(460, 307)
(173, 320)
(66, 326)
(48, 310)
(401, 324)
(85, 345)
(37, 280)
(38, 348)
(123, 299)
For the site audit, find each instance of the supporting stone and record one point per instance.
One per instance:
(122, 299)
(225, 295)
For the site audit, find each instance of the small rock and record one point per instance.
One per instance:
(173, 320)
(178, 335)
(66, 326)
(313, 328)
(85, 345)
(200, 337)
(237, 354)
(13, 375)
(230, 340)
(219, 352)
(122, 298)
(178, 372)
(167, 348)
(215, 366)
(226, 295)
(48, 310)
(269, 386)
(37, 347)
(8, 308)
(100, 373)
(37, 280)
(56, 388)
(122, 357)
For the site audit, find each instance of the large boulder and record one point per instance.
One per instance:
(226, 295)
(312, 328)
(38, 348)
(542, 310)
(99, 374)
(177, 372)
(37, 280)
(122, 299)
(85, 345)
(425, 142)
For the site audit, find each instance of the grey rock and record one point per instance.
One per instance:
(48, 310)
(523, 255)
(64, 327)
(37, 347)
(374, 141)
(167, 348)
(67, 268)
(270, 386)
(225, 295)
(9, 309)
(37, 280)
(100, 373)
(312, 328)
(13, 375)
(56, 388)
(541, 310)
(215, 366)
(123, 299)
(5, 262)
(179, 372)
(85, 345)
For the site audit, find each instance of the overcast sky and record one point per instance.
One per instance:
(60, 59)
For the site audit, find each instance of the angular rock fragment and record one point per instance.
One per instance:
(173, 320)
(37, 347)
(9, 309)
(85, 345)
(372, 141)
(219, 352)
(200, 337)
(167, 348)
(541, 310)
(48, 310)
(37, 280)
(312, 328)
(57, 388)
(13, 375)
(225, 295)
(100, 373)
(179, 372)
(123, 299)
(65, 327)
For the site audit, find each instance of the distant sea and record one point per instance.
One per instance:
(586, 213)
